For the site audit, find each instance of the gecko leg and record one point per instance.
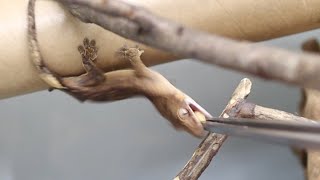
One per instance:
(94, 75)
(133, 56)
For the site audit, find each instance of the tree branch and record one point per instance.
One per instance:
(138, 24)
(209, 147)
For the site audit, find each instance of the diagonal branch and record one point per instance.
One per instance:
(209, 147)
(138, 24)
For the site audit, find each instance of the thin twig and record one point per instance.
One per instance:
(138, 24)
(209, 147)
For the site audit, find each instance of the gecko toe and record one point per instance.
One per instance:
(92, 43)
(81, 49)
(86, 43)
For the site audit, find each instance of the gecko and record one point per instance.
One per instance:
(98, 86)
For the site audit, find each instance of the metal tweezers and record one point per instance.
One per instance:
(293, 133)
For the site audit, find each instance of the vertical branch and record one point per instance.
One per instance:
(209, 147)
(310, 108)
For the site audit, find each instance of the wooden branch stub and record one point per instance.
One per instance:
(209, 147)
(246, 109)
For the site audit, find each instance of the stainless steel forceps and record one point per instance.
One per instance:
(298, 134)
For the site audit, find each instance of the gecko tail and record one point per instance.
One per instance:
(44, 72)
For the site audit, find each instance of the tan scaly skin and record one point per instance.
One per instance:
(182, 111)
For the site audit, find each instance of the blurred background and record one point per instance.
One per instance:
(51, 136)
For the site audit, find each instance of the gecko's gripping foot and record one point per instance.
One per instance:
(129, 53)
(88, 50)
(89, 54)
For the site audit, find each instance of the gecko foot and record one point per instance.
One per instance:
(88, 50)
(89, 53)
(129, 53)
(133, 54)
